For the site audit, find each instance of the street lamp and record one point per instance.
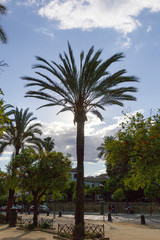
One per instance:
(102, 201)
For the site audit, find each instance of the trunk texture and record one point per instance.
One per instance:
(10, 202)
(78, 233)
(35, 216)
(11, 191)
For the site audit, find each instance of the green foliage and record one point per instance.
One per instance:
(3, 185)
(133, 157)
(3, 36)
(70, 190)
(3, 115)
(118, 195)
(152, 192)
(45, 225)
(56, 195)
(30, 226)
(48, 144)
(2, 218)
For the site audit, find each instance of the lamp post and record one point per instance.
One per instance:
(102, 201)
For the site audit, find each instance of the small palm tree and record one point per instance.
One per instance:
(102, 148)
(48, 144)
(88, 89)
(19, 131)
(3, 36)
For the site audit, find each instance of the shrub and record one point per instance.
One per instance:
(30, 226)
(45, 225)
(2, 218)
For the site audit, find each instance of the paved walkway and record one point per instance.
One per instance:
(123, 227)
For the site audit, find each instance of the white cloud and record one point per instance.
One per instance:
(4, 1)
(121, 15)
(4, 158)
(149, 28)
(99, 172)
(30, 3)
(45, 31)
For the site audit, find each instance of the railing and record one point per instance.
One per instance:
(23, 222)
(66, 230)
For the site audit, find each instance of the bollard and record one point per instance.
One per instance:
(143, 219)
(47, 213)
(109, 217)
(60, 214)
(29, 212)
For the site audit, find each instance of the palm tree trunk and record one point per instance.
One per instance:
(79, 213)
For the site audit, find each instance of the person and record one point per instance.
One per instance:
(113, 208)
(128, 208)
(109, 208)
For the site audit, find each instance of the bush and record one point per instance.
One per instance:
(2, 218)
(30, 226)
(45, 225)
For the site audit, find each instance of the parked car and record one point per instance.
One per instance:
(41, 209)
(3, 208)
(44, 209)
(19, 208)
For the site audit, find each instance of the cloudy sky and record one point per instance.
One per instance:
(43, 27)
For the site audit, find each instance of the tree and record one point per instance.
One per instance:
(19, 132)
(3, 36)
(3, 114)
(48, 144)
(81, 91)
(102, 147)
(133, 157)
(145, 152)
(41, 173)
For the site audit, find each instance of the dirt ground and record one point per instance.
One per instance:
(113, 230)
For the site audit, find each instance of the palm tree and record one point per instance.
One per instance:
(19, 132)
(48, 144)
(102, 148)
(80, 91)
(3, 36)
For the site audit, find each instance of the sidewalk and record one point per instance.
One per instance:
(118, 229)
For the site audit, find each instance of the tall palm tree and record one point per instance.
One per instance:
(48, 144)
(81, 91)
(19, 131)
(102, 148)
(3, 36)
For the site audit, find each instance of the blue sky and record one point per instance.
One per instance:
(43, 27)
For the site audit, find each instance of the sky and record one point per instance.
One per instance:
(43, 27)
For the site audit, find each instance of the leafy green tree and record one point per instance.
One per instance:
(92, 192)
(133, 159)
(87, 89)
(69, 190)
(145, 154)
(41, 173)
(3, 36)
(19, 131)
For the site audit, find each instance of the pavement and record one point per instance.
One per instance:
(122, 227)
(153, 219)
